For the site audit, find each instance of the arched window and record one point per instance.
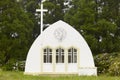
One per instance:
(47, 55)
(59, 55)
(72, 55)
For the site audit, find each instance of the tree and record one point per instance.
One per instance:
(15, 31)
(97, 28)
(55, 11)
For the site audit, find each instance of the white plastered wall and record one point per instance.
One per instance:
(73, 39)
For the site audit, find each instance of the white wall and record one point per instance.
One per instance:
(72, 39)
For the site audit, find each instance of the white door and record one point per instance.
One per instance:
(47, 65)
(72, 61)
(60, 61)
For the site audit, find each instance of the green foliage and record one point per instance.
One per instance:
(9, 65)
(103, 61)
(114, 68)
(15, 33)
(105, 33)
(20, 76)
(100, 31)
(55, 11)
(13, 65)
(20, 66)
(108, 63)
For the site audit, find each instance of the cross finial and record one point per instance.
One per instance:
(41, 11)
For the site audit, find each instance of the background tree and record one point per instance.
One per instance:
(97, 20)
(91, 19)
(15, 32)
(56, 10)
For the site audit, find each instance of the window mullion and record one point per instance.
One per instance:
(47, 55)
(72, 56)
(60, 56)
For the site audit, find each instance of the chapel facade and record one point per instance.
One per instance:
(60, 49)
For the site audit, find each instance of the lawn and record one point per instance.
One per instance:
(20, 76)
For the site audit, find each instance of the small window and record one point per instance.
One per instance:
(60, 55)
(72, 55)
(47, 55)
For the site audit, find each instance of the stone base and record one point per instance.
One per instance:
(87, 71)
(82, 71)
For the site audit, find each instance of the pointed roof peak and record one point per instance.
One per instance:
(61, 21)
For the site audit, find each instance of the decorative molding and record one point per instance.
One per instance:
(60, 34)
(87, 67)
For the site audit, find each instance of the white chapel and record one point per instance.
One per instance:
(60, 49)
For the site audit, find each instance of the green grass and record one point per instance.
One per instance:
(4, 75)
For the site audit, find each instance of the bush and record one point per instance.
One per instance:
(114, 68)
(13, 65)
(102, 61)
(8, 66)
(21, 65)
(108, 63)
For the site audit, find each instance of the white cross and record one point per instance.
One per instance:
(41, 11)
